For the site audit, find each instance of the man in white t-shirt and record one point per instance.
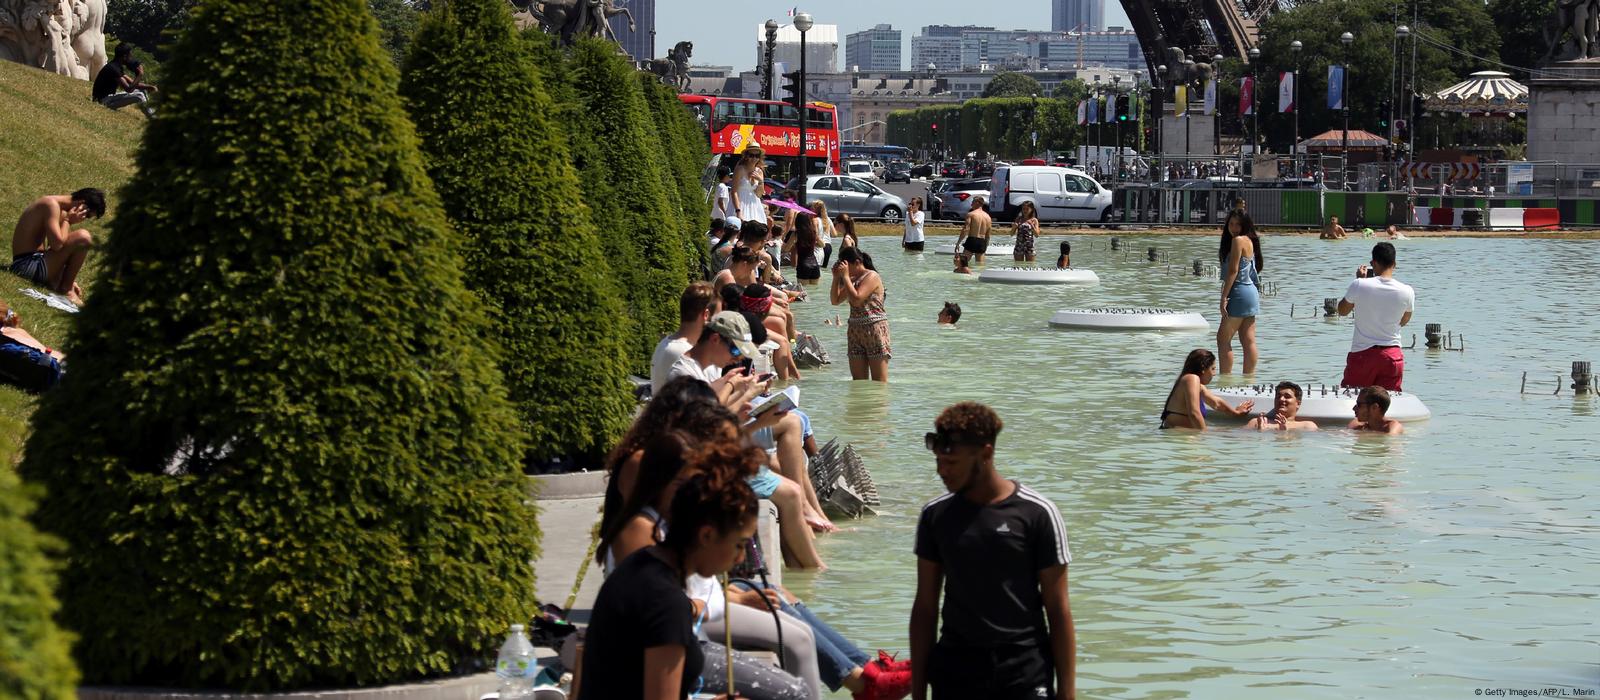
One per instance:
(697, 305)
(722, 206)
(724, 341)
(1385, 305)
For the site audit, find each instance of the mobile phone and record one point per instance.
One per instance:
(746, 363)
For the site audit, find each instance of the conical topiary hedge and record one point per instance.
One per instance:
(283, 456)
(686, 155)
(35, 655)
(502, 169)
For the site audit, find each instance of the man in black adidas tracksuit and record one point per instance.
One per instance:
(997, 550)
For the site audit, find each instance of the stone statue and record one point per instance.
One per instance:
(60, 36)
(1578, 18)
(575, 18)
(674, 69)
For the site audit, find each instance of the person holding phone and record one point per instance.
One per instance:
(868, 335)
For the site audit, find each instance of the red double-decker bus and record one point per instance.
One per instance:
(733, 124)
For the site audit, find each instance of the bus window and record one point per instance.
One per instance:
(788, 115)
(820, 118)
(724, 115)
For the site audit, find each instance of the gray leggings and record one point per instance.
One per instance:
(755, 680)
(753, 629)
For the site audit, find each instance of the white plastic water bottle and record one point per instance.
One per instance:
(516, 666)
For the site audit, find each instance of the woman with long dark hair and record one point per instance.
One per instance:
(1190, 402)
(807, 249)
(867, 338)
(1240, 253)
(1026, 228)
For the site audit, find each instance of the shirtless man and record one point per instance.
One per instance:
(46, 250)
(974, 236)
(1371, 404)
(1333, 231)
(1285, 411)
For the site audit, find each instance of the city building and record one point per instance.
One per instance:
(939, 45)
(875, 49)
(1077, 15)
(822, 47)
(639, 42)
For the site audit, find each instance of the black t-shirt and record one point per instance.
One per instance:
(991, 556)
(108, 81)
(641, 605)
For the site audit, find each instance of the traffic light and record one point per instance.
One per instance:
(1383, 115)
(1122, 108)
(791, 88)
(936, 128)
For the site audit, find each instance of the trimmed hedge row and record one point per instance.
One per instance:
(35, 654)
(687, 156)
(284, 456)
(502, 169)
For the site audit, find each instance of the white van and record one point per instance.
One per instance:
(861, 169)
(1060, 194)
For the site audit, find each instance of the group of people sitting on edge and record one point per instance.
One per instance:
(681, 508)
(1375, 363)
(993, 551)
(121, 82)
(45, 248)
(752, 241)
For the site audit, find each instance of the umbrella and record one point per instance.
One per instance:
(786, 204)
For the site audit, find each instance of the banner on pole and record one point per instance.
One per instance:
(1094, 110)
(1111, 108)
(1083, 113)
(1335, 87)
(1211, 97)
(1247, 96)
(1285, 92)
(1181, 101)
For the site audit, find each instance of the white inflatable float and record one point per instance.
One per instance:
(1324, 404)
(1000, 249)
(1038, 275)
(1130, 319)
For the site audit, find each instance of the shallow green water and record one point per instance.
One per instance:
(1462, 555)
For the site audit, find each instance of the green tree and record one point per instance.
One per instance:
(397, 20)
(687, 154)
(148, 24)
(624, 180)
(311, 480)
(35, 654)
(502, 169)
(1010, 84)
(1521, 25)
(1071, 91)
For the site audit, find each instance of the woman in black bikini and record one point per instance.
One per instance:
(1187, 403)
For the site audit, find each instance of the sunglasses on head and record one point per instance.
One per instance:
(946, 443)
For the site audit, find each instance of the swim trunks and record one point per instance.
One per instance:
(1380, 365)
(31, 267)
(976, 246)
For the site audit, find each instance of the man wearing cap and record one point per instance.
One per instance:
(725, 341)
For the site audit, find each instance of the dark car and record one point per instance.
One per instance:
(922, 170)
(898, 171)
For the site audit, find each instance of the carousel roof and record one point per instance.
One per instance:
(1483, 91)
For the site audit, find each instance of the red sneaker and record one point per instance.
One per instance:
(881, 681)
(888, 662)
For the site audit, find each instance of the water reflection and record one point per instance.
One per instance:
(1257, 565)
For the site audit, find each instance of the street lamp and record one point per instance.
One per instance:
(1294, 146)
(1116, 122)
(1401, 34)
(802, 22)
(1161, 121)
(1216, 109)
(1188, 110)
(1344, 103)
(1255, 109)
(772, 41)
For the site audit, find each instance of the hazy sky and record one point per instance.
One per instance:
(724, 31)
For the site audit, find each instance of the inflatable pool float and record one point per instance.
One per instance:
(1130, 319)
(1038, 275)
(1001, 249)
(1323, 403)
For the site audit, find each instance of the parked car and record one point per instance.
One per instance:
(932, 204)
(861, 169)
(956, 199)
(1059, 194)
(954, 170)
(856, 197)
(922, 170)
(898, 171)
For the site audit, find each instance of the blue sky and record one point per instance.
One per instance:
(723, 31)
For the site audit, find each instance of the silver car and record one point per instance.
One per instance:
(856, 197)
(955, 200)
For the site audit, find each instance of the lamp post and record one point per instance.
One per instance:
(1188, 110)
(766, 75)
(1255, 109)
(1401, 34)
(1344, 103)
(1216, 109)
(802, 22)
(1294, 146)
(1161, 118)
(1116, 125)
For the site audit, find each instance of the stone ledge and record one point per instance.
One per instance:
(458, 688)
(553, 487)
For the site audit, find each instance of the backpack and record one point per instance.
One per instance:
(26, 368)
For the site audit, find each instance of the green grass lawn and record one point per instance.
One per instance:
(53, 140)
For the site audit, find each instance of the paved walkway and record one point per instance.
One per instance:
(567, 525)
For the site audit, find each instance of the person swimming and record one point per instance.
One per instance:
(1064, 261)
(1189, 403)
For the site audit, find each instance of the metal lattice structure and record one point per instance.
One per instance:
(1200, 28)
